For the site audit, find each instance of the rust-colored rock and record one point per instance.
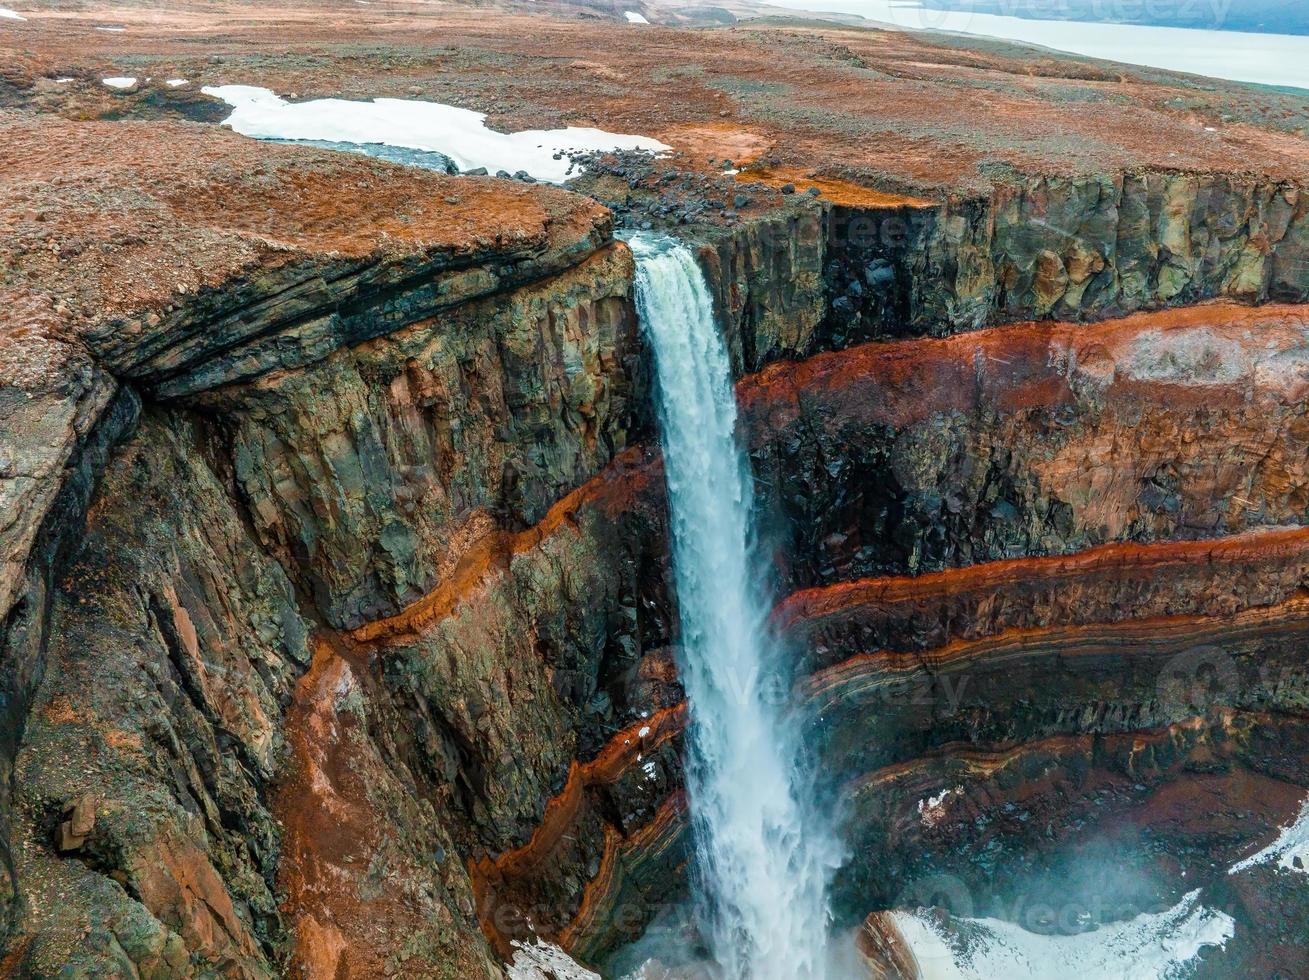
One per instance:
(335, 589)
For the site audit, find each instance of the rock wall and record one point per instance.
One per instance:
(60, 424)
(360, 657)
(1104, 594)
(1036, 439)
(210, 772)
(371, 472)
(1086, 248)
(157, 723)
(767, 276)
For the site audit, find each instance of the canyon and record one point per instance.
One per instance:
(340, 621)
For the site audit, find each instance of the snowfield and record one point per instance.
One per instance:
(1152, 946)
(1291, 844)
(459, 134)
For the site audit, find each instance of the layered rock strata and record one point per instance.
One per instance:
(1134, 612)
(209, 773)
(338, 623)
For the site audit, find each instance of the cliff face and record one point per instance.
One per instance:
(866, 266)
(338, 626)
(1062, 521)
(1033, 439)
(1066, 248)
(428, 440)
(194, 742)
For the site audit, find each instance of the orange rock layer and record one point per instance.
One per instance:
(600, 918)
(496, 880)
(1195, 356)
(614, 489)
(1113, 581)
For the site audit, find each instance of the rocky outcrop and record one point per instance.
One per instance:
(795, 277)
(1032, 439)
(172, 644)
(61, 419)
(1053, 790)
(1069, 248)
(255, 258)
(206, 776)
(1156, 571)
(370, 878)
(373, 472)
(1105, 584)
(627, 800)
(767, 273)
(515, 671)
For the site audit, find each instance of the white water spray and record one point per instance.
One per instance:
(764, 857)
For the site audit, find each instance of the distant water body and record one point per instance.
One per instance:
(1266, 59)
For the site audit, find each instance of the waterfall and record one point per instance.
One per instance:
(763, 856)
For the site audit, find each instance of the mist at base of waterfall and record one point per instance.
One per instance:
(670, 948)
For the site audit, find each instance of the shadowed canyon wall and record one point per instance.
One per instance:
(338, 610)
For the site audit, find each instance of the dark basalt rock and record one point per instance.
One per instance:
(378, 589)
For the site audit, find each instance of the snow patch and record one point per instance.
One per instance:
(634, 18)
(645, 730)
(545, 961)
(175, 82)
(7, 14)
(112, 30)
(65, 80)
(932, 809)
(119, 82)
(1152, 946)
(460, 134)
(1292, 844)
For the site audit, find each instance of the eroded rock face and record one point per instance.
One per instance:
(374, 471)
(364, 658)
(955, 643)
(768, 275)
(370, 875)
(172, 645)
(182, 724)
(1066, 248)
(1033, 439)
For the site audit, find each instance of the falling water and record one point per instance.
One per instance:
(763, 856)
